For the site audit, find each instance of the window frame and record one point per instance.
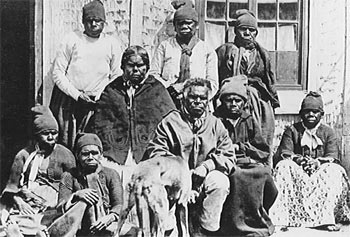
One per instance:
(303, 44)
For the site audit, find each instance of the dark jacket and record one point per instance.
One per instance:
(109, 180)
(61, 160)
(291, 142)
(121, 128)
(247, 135)
(259, 72)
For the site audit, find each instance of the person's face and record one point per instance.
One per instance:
(196, 100)
(48, 138)
(89, 157)
(246, 33)
(232, 103)
(135, 69)
(311, 117)
(93, 27)
(185, 28)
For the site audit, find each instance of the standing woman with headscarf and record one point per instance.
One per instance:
(246, 56)
(85, 64)
(184, 56)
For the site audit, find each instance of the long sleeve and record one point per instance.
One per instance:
(157, 65)
(66, 191)
(114, 185)
(331, 147)
(223, 156)
(212, 71)
(60, 67)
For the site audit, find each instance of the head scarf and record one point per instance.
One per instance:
(312, 101)
(235, 85)
(84, 139)
(246, 18)
(43, 119)
(186, 13)
(94, 9)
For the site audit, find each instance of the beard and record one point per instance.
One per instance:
(245, 42)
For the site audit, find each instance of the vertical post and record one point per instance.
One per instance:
(136, 24)
(345, 151)
(38, 51)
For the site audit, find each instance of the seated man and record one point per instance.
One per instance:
(201, 139)
(313, 187)
(252, 188)
(91, 196)
(31, 192)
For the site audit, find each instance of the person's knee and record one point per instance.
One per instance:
(216, 180)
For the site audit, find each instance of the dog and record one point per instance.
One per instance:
(156, 186)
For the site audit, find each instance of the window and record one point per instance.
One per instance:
(282, 31)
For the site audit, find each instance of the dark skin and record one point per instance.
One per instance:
(185, 30)
(88, 158)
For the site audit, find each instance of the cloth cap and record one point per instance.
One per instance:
(246, 18)
(313, 101)
(235, 85)
(94, 9)
(180, 3)
(186, 13)
(43, 119)
(84, 139)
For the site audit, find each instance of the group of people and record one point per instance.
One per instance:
(215, 109)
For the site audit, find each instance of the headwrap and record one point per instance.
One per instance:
(186, 13)
(246, 18)
(312, 101)
(94, 9)
(43, 119)
(84, 139)
(235, 85)
(180, 3)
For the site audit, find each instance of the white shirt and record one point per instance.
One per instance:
(165, 65)
(85, 64)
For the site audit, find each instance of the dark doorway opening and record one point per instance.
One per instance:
(16, 79)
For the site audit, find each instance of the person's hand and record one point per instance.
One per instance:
(311, 165)
(325, 159)
(200, 171)
(87, 195)
(102, 223)
(300, 160)
(86, 98)
(193, 196)
(236, 147)
(23, 207)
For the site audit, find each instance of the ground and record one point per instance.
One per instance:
(307, 232)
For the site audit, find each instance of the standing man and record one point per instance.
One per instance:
(184, 56)
(85, 64)
(201, 139)
(252, 188)
(246, 56)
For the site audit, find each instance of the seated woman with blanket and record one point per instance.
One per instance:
(252, 190)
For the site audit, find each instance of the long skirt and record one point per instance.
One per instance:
(71, 116)
(252, 193)
(308, 201)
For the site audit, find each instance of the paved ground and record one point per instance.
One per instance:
(307, 232)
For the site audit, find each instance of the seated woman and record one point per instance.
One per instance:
(252, 190)
(130, 109)
(313, 187)
(32, 188)
(90, 196)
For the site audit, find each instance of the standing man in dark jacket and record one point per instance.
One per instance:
(245, 56)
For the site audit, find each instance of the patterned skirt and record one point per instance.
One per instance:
(308, 201)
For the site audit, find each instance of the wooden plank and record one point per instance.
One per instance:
(136, 25)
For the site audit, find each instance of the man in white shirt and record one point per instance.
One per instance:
(86, 63)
